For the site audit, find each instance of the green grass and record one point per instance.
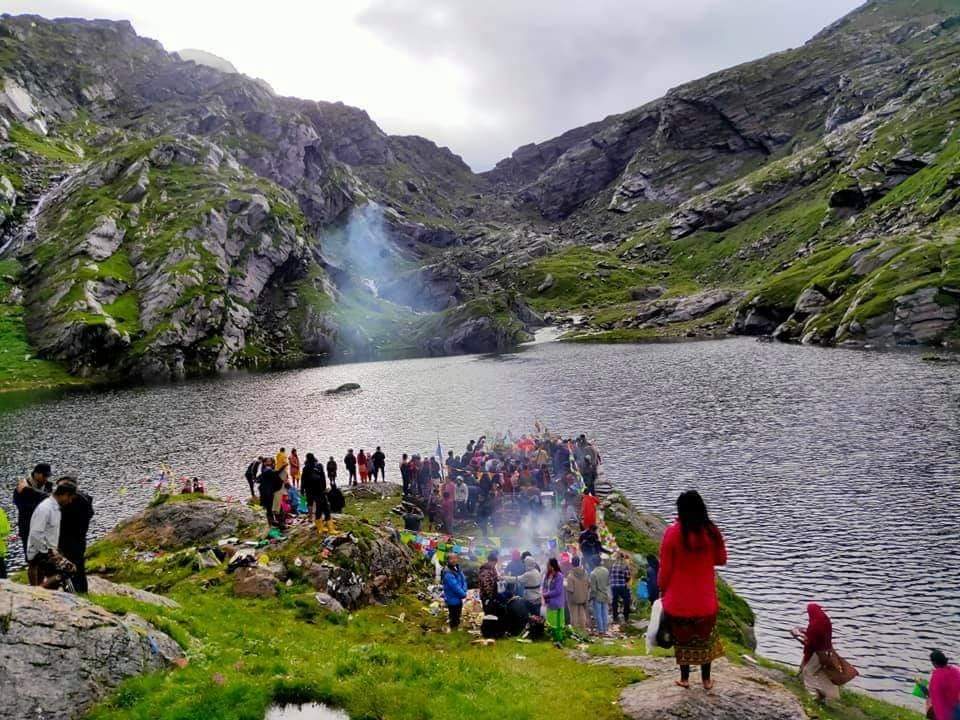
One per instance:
(49, 148)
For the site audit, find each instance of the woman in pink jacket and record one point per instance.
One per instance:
(692, 547)
(944, 697)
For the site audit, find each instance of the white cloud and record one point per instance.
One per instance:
(481, 77)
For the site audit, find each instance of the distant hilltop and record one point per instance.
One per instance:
(202, 57)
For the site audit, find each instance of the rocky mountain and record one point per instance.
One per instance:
(160, 217)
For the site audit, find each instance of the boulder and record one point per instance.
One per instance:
(811, 301)
(103, 241)
(617, 507)
(645, 294)
(329, 602)
(88, 649)
(740, 693)
(183, 523)
(699, 305)
(102, 586)
(923, 316)
(548, 282)
(254, 582)
(346, 387)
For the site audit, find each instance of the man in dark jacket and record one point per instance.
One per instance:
(75, 519)
(405, 474)
(350, 462)
(379, 465)
(331, 470)
(591, 547)
(313, 482)
(487, 580)
(269, 482)
(27, 495)
(251, 475)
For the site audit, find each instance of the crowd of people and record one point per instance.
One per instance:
(53, 520)
(283, 487)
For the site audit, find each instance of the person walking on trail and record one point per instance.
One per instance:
(588, 510)
(454, 589)
(577, 585)
(27, 497)
(528, 583)
(600, 598)
(379, 465)
(553, 600)
(691, 549)
(294, 461)
(487, 580)
(363, 466)
(46, 567)
(819, 657)
(75, 519)
(4, 533)
(620, 576)
(253, 469)
(331, 470)
(350, 463)
(944, 688)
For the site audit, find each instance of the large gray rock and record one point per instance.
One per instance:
(923, 316)
(101, 586)
(739, 694)
(175, 525)
(60, 654)
(699, 305)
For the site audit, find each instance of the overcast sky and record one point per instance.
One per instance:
(480, 76)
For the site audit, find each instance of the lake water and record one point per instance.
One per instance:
(834, 474)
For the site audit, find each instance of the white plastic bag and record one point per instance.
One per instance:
(656, 614)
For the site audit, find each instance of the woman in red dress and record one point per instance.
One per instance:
(692, 547)
(362, 466)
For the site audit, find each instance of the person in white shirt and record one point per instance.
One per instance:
(46, 566)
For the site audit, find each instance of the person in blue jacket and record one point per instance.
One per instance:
(454, 589)
(653, 568)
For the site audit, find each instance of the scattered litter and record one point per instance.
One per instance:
(298, 562)
(485, 642)
(181, 662)
(154, 648)
(218, 679)
(750, 659)
(227, 541)
(519, 657)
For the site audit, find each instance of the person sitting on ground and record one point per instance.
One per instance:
(27, 497)
(46, 566)
(454, 589)
(600, 598)
(529, 582)
(336, 499)
(944, 688)
(553, 600)
(75, 517)
(487, 581)
(379, 465)
(620, 576)
(293, 498)
(199, 486)
(4, 532)
(691, 549)
(186, 485)
(577, 586)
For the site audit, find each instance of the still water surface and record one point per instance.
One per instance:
(834, 474)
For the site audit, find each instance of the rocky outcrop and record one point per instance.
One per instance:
(101, 586)
(178, 524)
(740, 693)
(80, 651)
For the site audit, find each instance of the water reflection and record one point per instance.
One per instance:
(832, 473)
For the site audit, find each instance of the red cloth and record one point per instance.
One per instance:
(945, 691)
(819, 632)
(588, 511)
(687, 579)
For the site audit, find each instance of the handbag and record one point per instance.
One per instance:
(837, 670)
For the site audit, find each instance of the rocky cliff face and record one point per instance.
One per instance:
(171, 218)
